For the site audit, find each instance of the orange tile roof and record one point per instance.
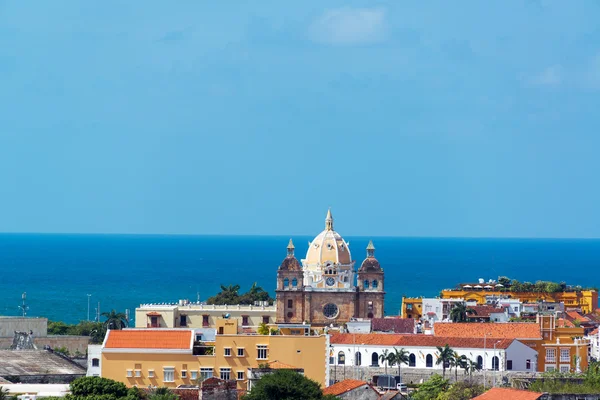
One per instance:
(387, 339)
(594, 332)
(276, 364)
(500, 330)
(149, 339)
(343, 387)
(574, 315)
(506, 393)
(564, 323)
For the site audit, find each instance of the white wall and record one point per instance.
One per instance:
(519, 354)
(94, 352)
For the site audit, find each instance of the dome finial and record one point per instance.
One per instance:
(370, 249)
(329, 220)
(290, 248)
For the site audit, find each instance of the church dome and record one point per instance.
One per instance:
(370, 264)
(328, 248)
(290, 263)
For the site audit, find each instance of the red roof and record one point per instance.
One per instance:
(483, 311)
(380, 339)
(344, 386)
(574, 315)
(394, 325)
(500, 330)
(594, 332)
(149, 339)
(506, 394)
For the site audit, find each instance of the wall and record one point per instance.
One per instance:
(73, 343)
(8, 326)
(362, 393)
(94, 352)
(519, 353)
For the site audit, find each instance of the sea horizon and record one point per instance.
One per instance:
(122, 271)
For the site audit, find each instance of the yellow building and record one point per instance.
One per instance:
(412, 307)
(172, 357)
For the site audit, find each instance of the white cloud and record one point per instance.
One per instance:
(551, 76)
(349, 26)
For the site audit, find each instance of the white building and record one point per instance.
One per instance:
(594, 338)
(363, 350)
(94, 360)
(438, 310)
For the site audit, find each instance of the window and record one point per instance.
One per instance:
(240, 375)
(129, 373)
(194, 375)
(227, 351)
(509, 365)
(154, 322)
(290, 315)
(205, 320)
(528, 364)
(95, 362)
(412, 360)
(374, 360)
(565, 368)
(366, 284)
(286, 282)
(409, 307)
(240, 352)
(495, 363)
(294, 282)
(331, 359)
(565, 355)
(138, 373)
(341, 358)
(226, 374)
(330, 310)
(374, 284)
(370, 306)
(429, 361)
(169, 374)
(357, 358)
(290, 303)
(261, 351)
(370, 315)
(150, 373)
(182, 320)
(245, 320)
(265, 319)
(206, 373)
(183, 374)
(550, 355)
(550, 368)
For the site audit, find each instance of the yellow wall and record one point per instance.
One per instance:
(417, 308)
(307, 352)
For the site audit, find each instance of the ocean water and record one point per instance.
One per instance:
(122, 271)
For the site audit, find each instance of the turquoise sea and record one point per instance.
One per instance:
(122, 271)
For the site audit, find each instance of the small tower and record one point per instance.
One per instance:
(289, 289)
(370, 286)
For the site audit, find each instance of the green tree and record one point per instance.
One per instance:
(458, 361)
(445, 356)
(461, 391)
(398, 357)
(115, 320)
(4, 394)
(162, 393)
(432, 388)
(263, 329)
(459, 312)
(383, 357)
(285, 384)
(504, 281)
(95, 386)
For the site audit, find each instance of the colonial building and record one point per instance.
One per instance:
(323, 290)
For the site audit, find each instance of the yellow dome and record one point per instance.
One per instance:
(327, 249)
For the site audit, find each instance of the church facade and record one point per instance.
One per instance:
(324, 289)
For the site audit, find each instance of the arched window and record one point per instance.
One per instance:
(366, 284)
(495, 363)
(374, 360)
(412, 360)
(357, 358)
(429, 361)
(480, 362)
(374, 284)
(294, 282)
(370, 315)
(341, 358)
(286, 282)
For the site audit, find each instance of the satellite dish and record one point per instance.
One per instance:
(227, 316)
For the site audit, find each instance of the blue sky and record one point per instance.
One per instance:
(411, 119)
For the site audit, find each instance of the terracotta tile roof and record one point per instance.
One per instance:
(149, 339)
(594, 332)
(395, 325)
(396, 340)
(389, 395)
(574, 315)
(500, 330)
(276, 364)
(484, 311)
(506, 393)
(564, 323)
(344, 386)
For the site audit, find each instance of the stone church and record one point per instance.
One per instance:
(325, 289)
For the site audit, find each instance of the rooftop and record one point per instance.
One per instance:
(395, 325)
(176, 339)
(36, 362)
(382, 339)
(276, 364)
(499, 330)
(344, 386)
(506, 393)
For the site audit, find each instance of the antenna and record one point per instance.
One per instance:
(24, 307)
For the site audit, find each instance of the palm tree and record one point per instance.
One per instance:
(383, 357)
(115, 320)
(255, 289)
(458, 361)
(444, 357)
(4, 394)
(459, 312)
(398, 357)
(470, 367)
